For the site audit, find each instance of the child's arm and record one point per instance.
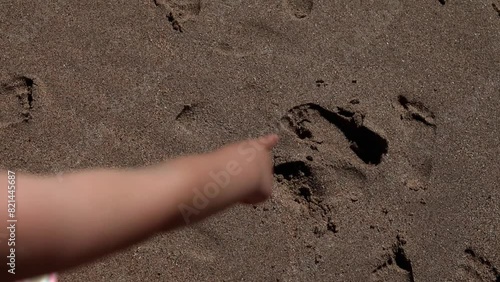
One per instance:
(66, 221)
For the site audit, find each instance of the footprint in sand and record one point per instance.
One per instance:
(396, 266)
(299, 8)
(186, 119)
(302, 179)
(193, 119)
(337, 142)
(18, 96)
(477, 268)
(496, 8)
(420, 134)
(179, 11)
(329, 129)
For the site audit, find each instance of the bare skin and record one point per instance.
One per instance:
(75, 218)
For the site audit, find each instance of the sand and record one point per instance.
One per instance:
(389, 163)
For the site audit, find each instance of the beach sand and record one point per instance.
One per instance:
(388, 168)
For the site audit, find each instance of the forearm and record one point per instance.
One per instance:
(64, 221)
(71, 219)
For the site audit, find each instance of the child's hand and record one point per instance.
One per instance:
(240, 172)
(105, 210)
(257, 167)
